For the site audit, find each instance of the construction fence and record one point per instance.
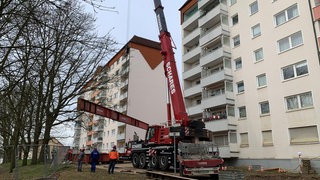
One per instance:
(49, 159)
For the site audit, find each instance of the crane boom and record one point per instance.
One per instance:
(170, 68)
(87, 106)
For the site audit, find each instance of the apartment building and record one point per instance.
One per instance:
(132, 83)
(250, 71)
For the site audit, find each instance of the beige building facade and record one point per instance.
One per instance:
(132, 83)
(250, 71)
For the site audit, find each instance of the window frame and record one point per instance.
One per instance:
(241, 115)
(258, 82)
(256, 52)
(253, 30)
(236, 66)
(253, 5)
(294, 69)
(232, 2)
(297, 98)
(262, 113)
(290, 42)
(244, 139)
(238, 87)
(285, 12)
(232, 19)
(299, 135)
(236, 40)
(267, 138)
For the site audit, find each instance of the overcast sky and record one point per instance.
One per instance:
(138, 18)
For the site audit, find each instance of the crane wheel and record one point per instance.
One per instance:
(142, 161)
(135, 160)
(154, 162)
(164, 163)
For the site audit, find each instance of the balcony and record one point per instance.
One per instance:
(123, 96)
(192, 55)
(88, 143)
(194, 110)
(229, 151)
(219, 125)
(217, 100)
(202, 3)
(192, 91)
(98, 139)
(193, 72)
(211, 55)
(213, 33)
(215, 12)
(191, 21)
(124, 71)
(124, 84)
(90, 123)
(215, 77)
(99, 128)
(121, 136)
(192, 38)
(89, 133)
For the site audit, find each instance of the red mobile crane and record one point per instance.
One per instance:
(158, 150)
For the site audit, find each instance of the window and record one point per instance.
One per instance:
(190, 12)
(232, 2)
(238, 63)
(254, 7)
(233, 136)
(113, 132)
(256, 31)
(299, 101)
(295, 70)
(291, 41)
(267, 138)
(221, 140)
(236, 41)
(304, 135)
(242, 112)
(230, 111)
(240, 86)
(244, 140)
(258, 54)
(262, 80)
(264, 108)
(235, 19)
(286, 15)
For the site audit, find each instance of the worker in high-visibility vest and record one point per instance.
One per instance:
(114, 157)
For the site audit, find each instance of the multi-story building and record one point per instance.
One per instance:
(132, 83)
(250, 71)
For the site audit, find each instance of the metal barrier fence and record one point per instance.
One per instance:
(50, 158)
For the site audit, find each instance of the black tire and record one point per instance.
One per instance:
(142, 161)
(164, 163)
(154, 162)
(135, 160)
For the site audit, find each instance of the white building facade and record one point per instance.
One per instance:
(250, 71)
(132, 83)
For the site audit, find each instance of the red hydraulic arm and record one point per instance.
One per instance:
(170, 68)
(87, 106)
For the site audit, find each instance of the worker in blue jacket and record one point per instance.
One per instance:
(94, 156)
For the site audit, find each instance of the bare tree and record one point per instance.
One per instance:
(46, 61)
